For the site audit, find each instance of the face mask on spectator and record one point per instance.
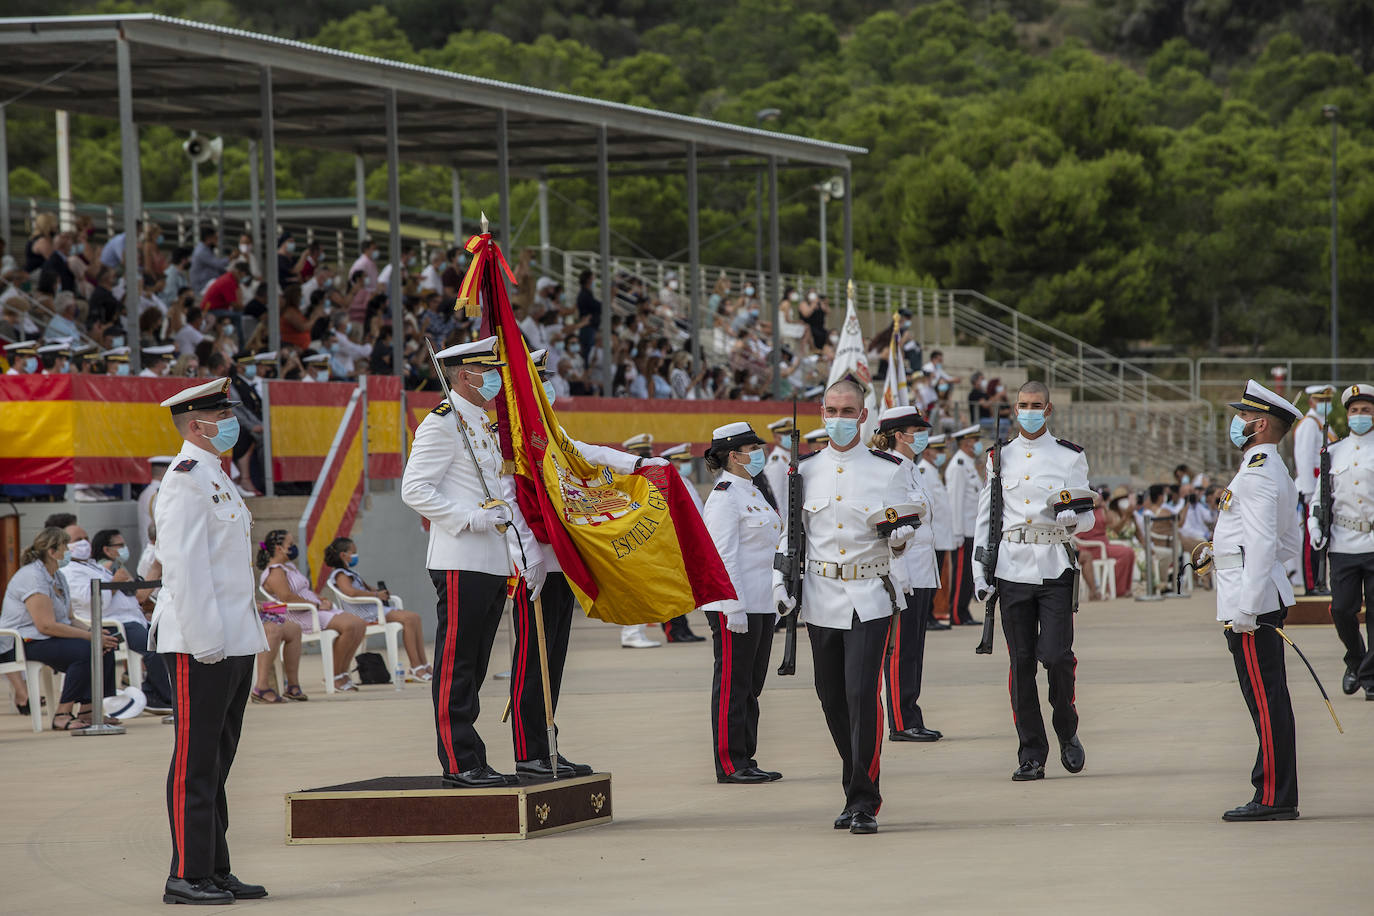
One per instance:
(81, 550)
(1361, 423)
(353, 561)
(290, 247)
(1185, 480)
(66, 558)
(749, 291)
(812, 297)
(160, 238)
(245, 248)
(122, 553)
(292, 552)
(1123, 504)
(78, 247)
(795, 297)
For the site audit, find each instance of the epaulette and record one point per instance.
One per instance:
(444, 408)
(885, 456)
(1257, 460)
(1074, 446)
(723, 485)
(810, 454)
(185, 465)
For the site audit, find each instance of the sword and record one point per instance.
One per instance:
(1313, 671)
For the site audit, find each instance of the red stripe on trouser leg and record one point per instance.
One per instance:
(1262, 705)
(875, 764)
(723, 707)
(449, 656)
(894, 689)
(522, 633)
(183, 723)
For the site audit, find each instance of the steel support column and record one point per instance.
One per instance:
(848, 222)
(393, 214)
(133, 194)
(360, 196)
(457, 190)
(195, 200)
(694, 255)
(503, 179)
(603, 210)
(4, 184)
(544, 224)
(269, 171)
(775, 275)
(254, 201)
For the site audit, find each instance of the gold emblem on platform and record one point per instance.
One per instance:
(598, 801)
(542, 812)
(592, 500)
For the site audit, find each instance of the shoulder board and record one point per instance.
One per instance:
(1257, 460)
(810, 454)
(885, 456)
(185, 465)
(723, 485)
(1074, 446)
(443, 408)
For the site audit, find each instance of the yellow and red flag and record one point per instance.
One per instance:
(623, 540)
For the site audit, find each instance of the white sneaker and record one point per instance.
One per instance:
(633, 637)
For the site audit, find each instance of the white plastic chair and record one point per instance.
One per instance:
(390, 631)
(1104, 567)
(41, 680)
(320, 635)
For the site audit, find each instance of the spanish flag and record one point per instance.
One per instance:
(623, 541)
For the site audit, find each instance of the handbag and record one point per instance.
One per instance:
(372, 669)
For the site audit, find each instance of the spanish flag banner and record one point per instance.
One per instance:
(623, 541)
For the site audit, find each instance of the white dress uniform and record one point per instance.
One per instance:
(941, 520)
(775, 471)
(1256, 534)
(1351, 551)
(920, 575)
(745, 530)
(963, 485)
(1036, 584)
(1308, 435)
(848, 601)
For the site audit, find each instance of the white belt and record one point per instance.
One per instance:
(1229, 561)
(1354, 524)
(1036, 536)
(848, 572)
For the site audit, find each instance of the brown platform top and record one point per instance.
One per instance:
(433, 783)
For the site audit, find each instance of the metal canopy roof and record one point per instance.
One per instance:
(189, 75)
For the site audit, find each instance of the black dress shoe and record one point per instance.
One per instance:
(483, 777)
(773, 775)
(1071, 755)
(241, 891)
(1254, 811)
(844, 820)
(1028, 771)
(200, 892)
(540, 767)
(748, 777)
(1350, 683)
(937, 625)
(683, 634)
(971, 622)
(863, 822)
(915, 734)
(1369, 693)
(1320, 591)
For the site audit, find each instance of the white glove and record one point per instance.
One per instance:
(738, 622)
(1314, 532)
(1067, 517)
(982, 590)
(786, 603)
(653, 462)
(535, 574)
(484, 520)
(1244, 623)
(214, 656)
(900, 536)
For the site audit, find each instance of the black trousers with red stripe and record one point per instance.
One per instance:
(208, 701)
(848, 666)
(1264, 683)
(902, 673)
(529, 729)
(741, 667)
(469, 610)
(1313, 561)
(945, 581)
(1037, 621)
(1352, 584)
(963, 583)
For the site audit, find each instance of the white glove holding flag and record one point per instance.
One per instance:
(535, 574)
(653, 462)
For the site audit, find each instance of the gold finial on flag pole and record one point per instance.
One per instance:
(486, 227)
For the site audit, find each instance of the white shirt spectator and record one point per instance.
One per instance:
(114, 605)
(112, 255)
(344, 353)
(936, 371)
(60, 328)
(187, 338)
(176, 282)
(432, 278)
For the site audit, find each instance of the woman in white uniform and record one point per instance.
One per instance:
(745, 526)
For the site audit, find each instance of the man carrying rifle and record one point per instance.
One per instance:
(847, 598)
(1309, 434)
(1348, 498)
(1035, 575)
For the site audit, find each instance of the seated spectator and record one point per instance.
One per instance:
(40, 245)
(222, 294)
(63, 324)
(295, 330)
(280, 578)
(342, 556)
(57, 262)
(206, 265)
(150, 256)
(103, 307)
(1115, 550)
(177, 276)
(37, 605)
(284, 635)
(112, 255)
(105, 558)
(344, 352)
(189, 336)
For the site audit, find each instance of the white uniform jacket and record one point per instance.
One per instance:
(941, 522)
(745, 530)
(441, 484)
(1307, 447)
(839, 491)
(775, 469)
(917, 562)
(1256, 534)
(963, 484)
(1352, 494)
(1032, 470)
(207, 602)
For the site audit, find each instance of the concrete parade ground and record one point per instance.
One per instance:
(1169, 747)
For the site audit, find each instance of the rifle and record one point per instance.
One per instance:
(1324, 507)
(989, 557)
(792, 563)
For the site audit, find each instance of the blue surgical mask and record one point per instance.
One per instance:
(940, 460)
(30, 364)
(1031, 421)
(841, 430)
(919, 443)
(491, 383)
(292, 552)
(1238, 435)
(66, 558)
(786, 442)
(1323, 409)
(250, 371)
(122, 369)
(756, 462)
(977, 448)
(1185, 481)
(1361, 423)
(549, 392)
(226, 434)
(353, 561)
(123, 554)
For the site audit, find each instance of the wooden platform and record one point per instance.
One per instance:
(1312, 610)
(420, 809)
